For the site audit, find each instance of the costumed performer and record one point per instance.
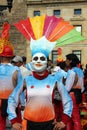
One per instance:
(9, 75)
(43, 33)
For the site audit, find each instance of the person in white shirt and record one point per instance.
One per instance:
(18, 61)
(75, 87)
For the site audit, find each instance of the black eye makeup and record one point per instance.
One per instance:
(42, 58)
(35, 58)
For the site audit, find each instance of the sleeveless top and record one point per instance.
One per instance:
(6, 85)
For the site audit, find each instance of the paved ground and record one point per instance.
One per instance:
(8, 126)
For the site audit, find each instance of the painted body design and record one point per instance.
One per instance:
(39, 106)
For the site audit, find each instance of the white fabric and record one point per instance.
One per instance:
(24, 71)
(42, 45)
(70, 80)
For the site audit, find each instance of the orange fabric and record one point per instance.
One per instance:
(24, 123)
(38, 115)
(61, 29)
(5, 94)
(84, 123)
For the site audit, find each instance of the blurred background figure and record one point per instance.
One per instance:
(17, 61)
(24, 60)
(49, 65)
(85, 78)
(9, 75)
(59, 71)
(76, 90)
(21, 63)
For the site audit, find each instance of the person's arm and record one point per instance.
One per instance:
(71, 80)
(14, 78)
(76, 80)
(67, 106)
(66, 101)
(17, 77)
(13, 102)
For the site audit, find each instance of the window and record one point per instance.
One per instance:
(79, 28)
(37, 13)
(78, 53)
(77, 11)
(56, 12)
(54, 56)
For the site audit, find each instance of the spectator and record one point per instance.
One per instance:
(20, 62)
(85, 77)
(49, 66)
(24, 60)
(57, 101)
(76, 90)
(9, 76)
(17, 61)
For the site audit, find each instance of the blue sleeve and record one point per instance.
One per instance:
(13, 100)
(22, 95)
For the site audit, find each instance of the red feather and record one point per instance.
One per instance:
(24, 26)
(5, 31)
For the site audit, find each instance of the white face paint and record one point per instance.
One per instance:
(39, 62)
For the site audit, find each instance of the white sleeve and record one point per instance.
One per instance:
(13, 101)
(66, 99)
(70, 80)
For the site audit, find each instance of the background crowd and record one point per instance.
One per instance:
(68, 72)
(39, 95)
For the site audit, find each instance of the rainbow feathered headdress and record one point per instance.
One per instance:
(46, 32)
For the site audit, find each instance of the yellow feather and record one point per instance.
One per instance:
(37, 23)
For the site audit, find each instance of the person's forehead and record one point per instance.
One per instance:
(38, 55)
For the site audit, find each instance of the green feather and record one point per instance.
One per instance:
(71, 37)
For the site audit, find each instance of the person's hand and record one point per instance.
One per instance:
(17, 126)
(58, 125)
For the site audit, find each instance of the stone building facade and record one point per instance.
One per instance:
(26, 8)
(18, 12)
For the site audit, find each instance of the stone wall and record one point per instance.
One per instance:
(18, 12)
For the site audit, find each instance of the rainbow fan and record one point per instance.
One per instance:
(53, 28)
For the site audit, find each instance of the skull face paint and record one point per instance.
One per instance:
(39, 62)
